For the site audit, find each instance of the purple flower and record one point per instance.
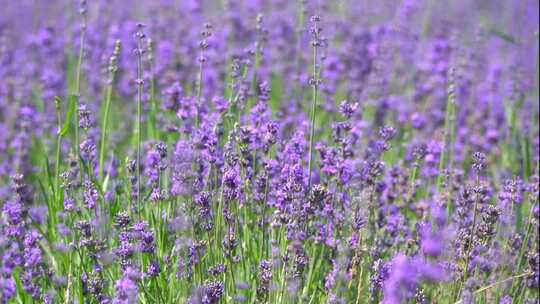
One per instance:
(405, 276)
(38, 214)
(264, 280)
(126, 288)
(182, 178)
(7, 289)
(220, 103)
(86, 121)
(479, 161)
(91, 195)
(88, 150)
(14, 213)
(154, 269)
(209, 293)
(432, 243)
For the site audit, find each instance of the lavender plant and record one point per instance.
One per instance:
(269, 152)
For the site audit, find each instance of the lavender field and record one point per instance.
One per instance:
(269, 151)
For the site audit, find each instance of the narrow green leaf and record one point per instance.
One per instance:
(49, 175)
(18, 283)
(69, 115)
(526, 157)
(44, 193)
(504, 36)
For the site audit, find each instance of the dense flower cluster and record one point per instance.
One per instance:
(273, 151)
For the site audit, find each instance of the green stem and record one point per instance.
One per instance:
(480, 290)
(139, 110)
(298, 35)
(108, 97)
(153, 110)
(412, 181)
(313, 114)
(471, 244)
(264, 245)
(525, 242)
(58, 146)
(104, 131)
(199, 88)
(360, 276)
(77, 91)
(449, 136)
(153, 103)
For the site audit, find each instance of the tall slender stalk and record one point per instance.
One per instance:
(259, 45)
(150, 59)
(140, 83)
(77, 90)
(524, 244)
(315, 43)
(58, 146)
(112, 70)
(199, 89)
(449, 136)
(298, 35)
(203, 45)
(472, 231)
(480, 290)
